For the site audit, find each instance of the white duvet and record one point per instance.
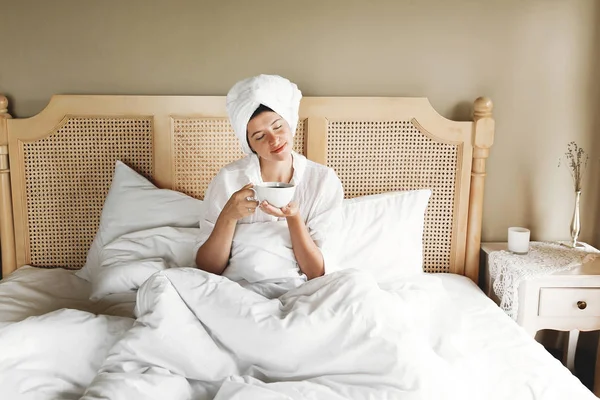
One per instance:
(201, 336)
(339, 336)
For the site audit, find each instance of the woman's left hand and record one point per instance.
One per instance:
(290, 210)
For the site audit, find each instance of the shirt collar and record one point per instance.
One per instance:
(299, 164)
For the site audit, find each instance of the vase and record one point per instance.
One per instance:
(575, 222)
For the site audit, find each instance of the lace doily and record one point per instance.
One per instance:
(508, 270)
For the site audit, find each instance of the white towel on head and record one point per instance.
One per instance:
(273, 91)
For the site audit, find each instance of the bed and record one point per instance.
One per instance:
(100, 198)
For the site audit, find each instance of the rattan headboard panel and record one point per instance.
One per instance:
(67, 176)
(400, 157)
(202, 146)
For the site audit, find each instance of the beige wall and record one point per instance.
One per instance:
(534, 58)
(595, 111)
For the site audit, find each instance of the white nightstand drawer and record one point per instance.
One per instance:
(569, 302)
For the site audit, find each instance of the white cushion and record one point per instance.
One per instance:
(133, 203)
(383, 234)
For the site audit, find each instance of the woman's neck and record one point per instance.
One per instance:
(276, 171)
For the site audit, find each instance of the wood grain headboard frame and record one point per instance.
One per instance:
(61, 163)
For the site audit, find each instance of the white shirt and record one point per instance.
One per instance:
(319, 194)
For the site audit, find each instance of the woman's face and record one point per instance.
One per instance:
(270, 136)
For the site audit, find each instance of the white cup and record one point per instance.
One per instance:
(277, 194)
(518, 240)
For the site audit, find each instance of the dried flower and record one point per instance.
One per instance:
(576, 159)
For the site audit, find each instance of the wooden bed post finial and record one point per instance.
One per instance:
(482, 140)
(4, 106)
(482, 108)
(7, 232)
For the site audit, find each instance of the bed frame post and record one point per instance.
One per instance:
(316, 140)
(7, 232)
(482, 139)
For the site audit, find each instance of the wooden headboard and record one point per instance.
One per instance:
(56, 167)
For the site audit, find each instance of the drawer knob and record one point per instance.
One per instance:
(581, 305)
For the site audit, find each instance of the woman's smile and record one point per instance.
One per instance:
(279, 149)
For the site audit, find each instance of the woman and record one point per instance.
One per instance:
(264, 114)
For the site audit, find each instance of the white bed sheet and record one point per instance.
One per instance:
(31, 291)
(521, 366)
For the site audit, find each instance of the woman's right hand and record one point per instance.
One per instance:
(238, 206)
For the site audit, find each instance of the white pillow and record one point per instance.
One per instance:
(383, 234)
(133, 203)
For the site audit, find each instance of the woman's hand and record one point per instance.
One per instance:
(290, 210)
(239, 206)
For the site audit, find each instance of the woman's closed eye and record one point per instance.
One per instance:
(276, 128)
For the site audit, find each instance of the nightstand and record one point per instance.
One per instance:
(564, 301)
